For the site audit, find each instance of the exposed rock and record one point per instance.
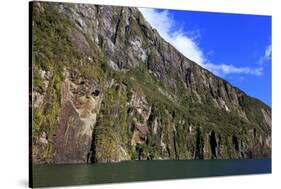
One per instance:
(113, 65)
(215, 145)
(267, 117)
(138, 50)
(37, 99)
(76, 120)
(43, 138)
(141, 105)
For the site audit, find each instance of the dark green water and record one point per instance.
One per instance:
(77, 174)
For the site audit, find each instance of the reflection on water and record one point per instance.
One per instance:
(77, 174)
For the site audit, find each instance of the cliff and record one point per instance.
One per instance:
(107, 88)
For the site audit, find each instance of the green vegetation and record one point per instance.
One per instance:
(52, 52)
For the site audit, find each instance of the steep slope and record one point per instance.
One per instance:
(107, 88)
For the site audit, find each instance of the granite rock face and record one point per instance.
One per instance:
(108, 88)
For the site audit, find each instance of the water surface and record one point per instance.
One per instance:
(128, 171)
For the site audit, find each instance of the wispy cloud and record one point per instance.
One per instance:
(167, 28)
(267, 55)
(225, 69)
(186, 43)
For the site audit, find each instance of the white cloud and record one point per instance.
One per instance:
(186, 43)
(268, 51)
(267, 55)
(224, 69)
(166, 26)
(188, 47)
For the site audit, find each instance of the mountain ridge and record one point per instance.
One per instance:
(108, 88)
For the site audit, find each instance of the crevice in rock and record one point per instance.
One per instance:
(144, 29)
(139, 152)
(235, 143)
(100, 40)
(95, 92)
(213, 144)
(127, 29)
(175, 145)
(97, 9)
(117, 26)
(211, 91)
(168, 150)
(188, 77)
(199, 153)
(91, 157)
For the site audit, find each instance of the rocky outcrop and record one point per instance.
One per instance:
(108, 88)
(80, 104)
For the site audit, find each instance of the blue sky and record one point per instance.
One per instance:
(235, 47)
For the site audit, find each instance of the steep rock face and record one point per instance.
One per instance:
(80, 104)
(108, 88)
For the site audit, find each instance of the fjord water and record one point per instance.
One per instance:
(128, 171)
